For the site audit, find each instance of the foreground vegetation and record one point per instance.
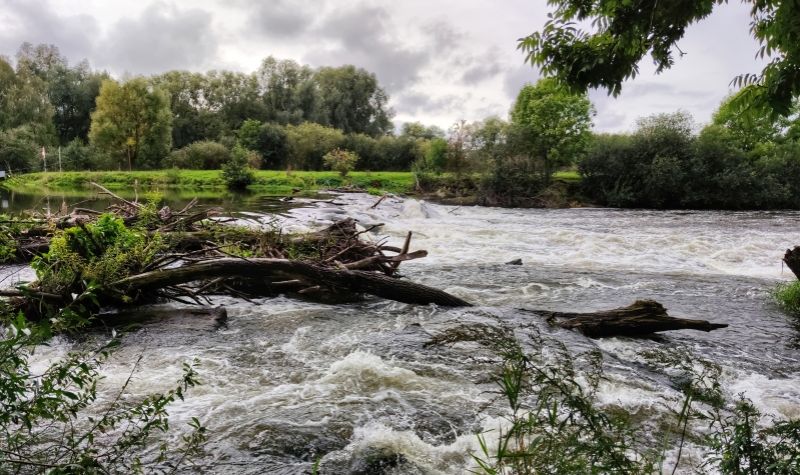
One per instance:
(555, 425)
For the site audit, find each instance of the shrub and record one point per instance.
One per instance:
(308, 143)
(268, 139)
(203, 155)
(19, 150)
(236, 172)
(44, 426)
(342, 161)
(787, 295)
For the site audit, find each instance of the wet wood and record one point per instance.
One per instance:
(283, 270)
(792, 260)
(643, 317)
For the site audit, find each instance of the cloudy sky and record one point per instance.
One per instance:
(440, 60)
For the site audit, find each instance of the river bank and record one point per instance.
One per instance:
(266, 181)
(463, 190)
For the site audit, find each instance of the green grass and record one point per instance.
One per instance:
(567, 175)
(787, 295)
(266, 180)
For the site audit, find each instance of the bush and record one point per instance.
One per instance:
(19, 150)
(342, 161)
(309, 142)
(236, 172)
(268, 139)
(203, 155)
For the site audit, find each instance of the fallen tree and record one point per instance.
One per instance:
(641, 318)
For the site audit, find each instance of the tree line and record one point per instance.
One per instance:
(285, 111)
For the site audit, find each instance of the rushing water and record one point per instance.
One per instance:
(286, 382)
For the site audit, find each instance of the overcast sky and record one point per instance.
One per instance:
(440, 60)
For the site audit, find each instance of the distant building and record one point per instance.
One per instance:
(2, 174)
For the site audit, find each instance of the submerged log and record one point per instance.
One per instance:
(641, 318)
(282, 270)
(792, 260)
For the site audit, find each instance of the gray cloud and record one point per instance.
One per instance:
(35, 22)
(279, 18)
(517, 77)
(161, 39)
(420, 103)
(360, 36)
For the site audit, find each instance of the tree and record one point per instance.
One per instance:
(23, 99)
(309, 142)
(353, 101)
(237, 172)
(235, 96)
(268, 139)
(625, 31)
(554, 121)
(133, 122)
(73, 92)
(341, 161)
(289, 92)
(749, 131)
(193, 116)
(418, 130)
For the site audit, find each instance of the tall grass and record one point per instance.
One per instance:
(555, 426)
(787, 295)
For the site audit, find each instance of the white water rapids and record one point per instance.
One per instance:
(287, 382)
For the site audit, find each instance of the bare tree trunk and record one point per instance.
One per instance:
(643, 317)
(281, 270)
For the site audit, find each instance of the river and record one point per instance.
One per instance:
(287, 382)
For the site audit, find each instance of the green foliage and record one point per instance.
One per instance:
(788, 296)
(435, 158)
(194, 117)
(417, 130)
(57, 421)
(204, 155)
(76, 155)
(342, 161)
(664, 165)
(290, 92)
(268, 139)
(309, 142)
(353, 101)
(133, 122)
(556, 427)
(554, 122)
(94, 254)
(236, 172)
(623, 32)
(19, 149)
(562, 431)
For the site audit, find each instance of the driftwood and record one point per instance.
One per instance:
(792, 260)
(282, 271)
(641, 318)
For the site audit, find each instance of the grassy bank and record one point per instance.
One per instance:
(278, 182)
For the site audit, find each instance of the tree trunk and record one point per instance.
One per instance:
(281, 270)
(792, 260)
(641, 318)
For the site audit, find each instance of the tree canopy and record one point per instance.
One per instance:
(624, 31)
(553, 122)
(132, 121)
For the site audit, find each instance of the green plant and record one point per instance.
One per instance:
(237, 173)
(561, 431)
(55, 421)
(342, 161)
(203, 155)
(787, 295)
